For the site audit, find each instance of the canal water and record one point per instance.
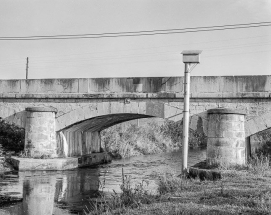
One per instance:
(70, 192)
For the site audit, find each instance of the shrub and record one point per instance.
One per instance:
(11, 137)
(149, 138)
(174, 130)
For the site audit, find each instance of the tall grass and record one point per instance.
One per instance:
(171, 183)
(259, 164)
(129, 197)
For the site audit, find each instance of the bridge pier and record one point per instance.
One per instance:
(41, 144)
(226, 143)
(40, 135)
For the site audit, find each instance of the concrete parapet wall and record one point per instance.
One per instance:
(199, 84)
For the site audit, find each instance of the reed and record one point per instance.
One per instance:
(130, 197)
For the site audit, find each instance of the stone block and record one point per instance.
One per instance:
(240, 143)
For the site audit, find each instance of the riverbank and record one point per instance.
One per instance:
(241, 190)
(152, 137)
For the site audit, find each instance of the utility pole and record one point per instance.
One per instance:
(191, 59)
(26, 68)
(186, 115)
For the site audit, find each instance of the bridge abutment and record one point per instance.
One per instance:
(40, 134)
(226, 137)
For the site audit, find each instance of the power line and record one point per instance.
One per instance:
(143, 33)
(137, 32)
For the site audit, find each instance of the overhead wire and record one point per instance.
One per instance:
(142, 33)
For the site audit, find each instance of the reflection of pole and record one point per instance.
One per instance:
(186, 116)
(26, 76)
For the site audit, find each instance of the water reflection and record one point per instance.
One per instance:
(69, 192)
(51, 192)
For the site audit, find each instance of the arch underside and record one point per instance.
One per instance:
(100, 123)
(84, 137)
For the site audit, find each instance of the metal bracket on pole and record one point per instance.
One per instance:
(189, 58)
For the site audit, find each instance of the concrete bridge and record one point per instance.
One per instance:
(83, 107)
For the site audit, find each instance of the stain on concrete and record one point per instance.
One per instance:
(249, 84)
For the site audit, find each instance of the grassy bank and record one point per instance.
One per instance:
(242, 190)
(149, 138)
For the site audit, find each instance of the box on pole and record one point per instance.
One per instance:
(189, 57)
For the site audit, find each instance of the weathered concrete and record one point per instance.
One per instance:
(199, 84)
(226, 137)
(40, 135)
(30, 164)
(25, 164)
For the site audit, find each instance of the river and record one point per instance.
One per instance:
(69, 192)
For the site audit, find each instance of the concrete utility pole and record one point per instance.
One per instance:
(191, 59)
(26, 76)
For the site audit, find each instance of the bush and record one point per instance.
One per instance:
(150, 138)
(174, 130)
(133, 140)
(11, 137)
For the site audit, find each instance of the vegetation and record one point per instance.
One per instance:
(149, 138)
(242, 190)
(11, 137)
(11, 141)
(130, 197)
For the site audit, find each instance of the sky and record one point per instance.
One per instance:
(224, 53)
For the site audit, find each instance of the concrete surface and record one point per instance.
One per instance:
(29, 164)
(25, 164)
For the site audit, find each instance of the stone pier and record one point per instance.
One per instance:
(40, 134)
(42, 152)
(226, 137)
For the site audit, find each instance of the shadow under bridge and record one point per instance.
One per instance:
(84, 137)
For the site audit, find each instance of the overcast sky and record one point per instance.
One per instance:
(228, 52)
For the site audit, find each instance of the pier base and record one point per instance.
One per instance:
(28, 164)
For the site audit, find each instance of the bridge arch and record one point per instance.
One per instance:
(81, 127)
(136, 108)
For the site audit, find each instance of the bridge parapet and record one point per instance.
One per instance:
(199, 84)
(160, 95)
